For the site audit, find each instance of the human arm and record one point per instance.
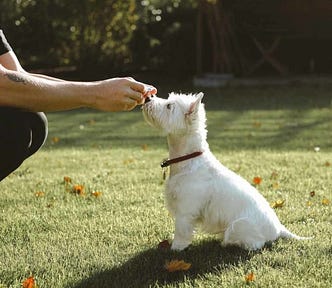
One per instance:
(35, 92)
(21, 89)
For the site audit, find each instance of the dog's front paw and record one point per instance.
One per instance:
(179, 246)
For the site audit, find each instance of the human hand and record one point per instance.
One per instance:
(121, 94)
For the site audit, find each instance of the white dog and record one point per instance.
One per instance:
(200, 190)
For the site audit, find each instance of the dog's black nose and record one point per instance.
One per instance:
(147, 99)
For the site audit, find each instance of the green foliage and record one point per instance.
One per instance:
(168, 29)
(82, 33)
(111, 34)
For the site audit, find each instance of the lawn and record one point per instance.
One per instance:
(87, 210)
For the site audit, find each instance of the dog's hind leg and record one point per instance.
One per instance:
(183, 235)
(243, 233)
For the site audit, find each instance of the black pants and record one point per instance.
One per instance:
(22, 133)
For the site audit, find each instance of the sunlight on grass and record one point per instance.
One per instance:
(66, 239)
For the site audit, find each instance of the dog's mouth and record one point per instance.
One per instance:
(148, 99)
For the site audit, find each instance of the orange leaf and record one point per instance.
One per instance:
(250, 277)
(325, 201)
(177, 265)
(257, 180)
(327, 164)
(78, 189)
(278, 204)
(55, 140)
(40, 194)
(67, 179)
(29, 283)
(145, 147)
(96, 194)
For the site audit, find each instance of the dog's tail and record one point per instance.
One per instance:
(285, 233)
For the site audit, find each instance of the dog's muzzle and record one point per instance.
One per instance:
(148, 99)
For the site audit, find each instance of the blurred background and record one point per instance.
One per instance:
(207, 41)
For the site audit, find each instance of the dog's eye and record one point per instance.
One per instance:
(169, 106)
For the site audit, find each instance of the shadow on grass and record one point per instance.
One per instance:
(147, 268)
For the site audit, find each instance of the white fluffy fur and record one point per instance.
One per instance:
(201, 191)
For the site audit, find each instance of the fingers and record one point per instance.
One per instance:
(129, 104)
(149, 90)
(140, 91)
(145, 89)
(136, 96)
(136, 86)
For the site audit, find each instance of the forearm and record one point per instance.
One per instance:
(46, 77)
(19, 89)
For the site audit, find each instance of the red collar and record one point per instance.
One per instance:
(169, 162)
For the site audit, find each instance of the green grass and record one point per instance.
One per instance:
(66, 240)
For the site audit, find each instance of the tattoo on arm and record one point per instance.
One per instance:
(16, 78)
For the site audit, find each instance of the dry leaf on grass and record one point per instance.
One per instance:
(325, 201)
(312, 193)
(177, 265)
(145, 147)
(274, 175)
(29, 283)
(250, 277)
(278, 204)
(257, 180)
(67, 179)
(55, 140)
(39, 194)
(96, 193)
(78, 189)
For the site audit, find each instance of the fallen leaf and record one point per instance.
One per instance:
(29, 283)
(96, 193)
(309, 203)
(274, 175)
(257, 124)
(325, 201)
(40, 194)
(257, 180)
(145, 147)
(275, 186)
(55, 140)
(312, 193)
(164, 245)
(78, 189)
(67, 179)
(128, 161)
(250, 277)
(92, 122)
(177, 265)
(327, 164)
(278, 204)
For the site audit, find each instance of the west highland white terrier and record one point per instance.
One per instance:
(200, 191)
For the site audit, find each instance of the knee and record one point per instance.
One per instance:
(38, 125)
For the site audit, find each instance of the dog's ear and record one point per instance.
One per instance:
(193, 108)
